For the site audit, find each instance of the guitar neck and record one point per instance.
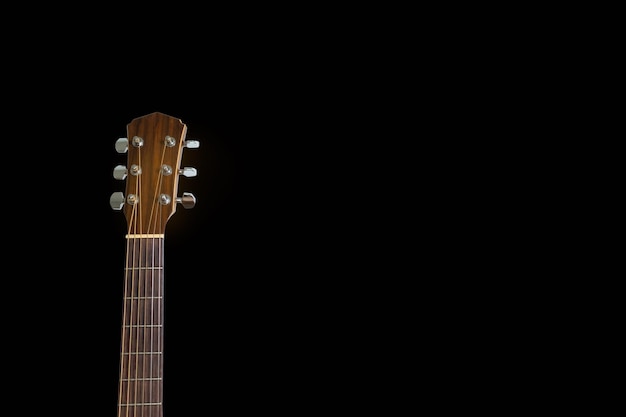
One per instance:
(154, 145)
(141, 361)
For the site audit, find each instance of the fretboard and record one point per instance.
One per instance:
(141, 360)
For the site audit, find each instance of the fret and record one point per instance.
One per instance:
(147, 371)
(139, 404)
(144, 297)
(157, 297)
(144, 284)
(144, 265)
(145, 335)
(142, 268)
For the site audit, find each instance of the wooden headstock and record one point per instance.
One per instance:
(154, 145)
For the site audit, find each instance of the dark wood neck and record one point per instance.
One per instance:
(141, 359)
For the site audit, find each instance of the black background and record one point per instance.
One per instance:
(261, 281)
(346, 192)
(273, 280)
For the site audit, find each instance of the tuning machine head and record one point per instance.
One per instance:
(188, 200)
(191, 144)
(121, 145)
(117, 200)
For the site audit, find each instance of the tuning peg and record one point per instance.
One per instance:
(188, 172)
(192, 144)
(121, 145)
(120, 172)
(188, 200)
(117, 200)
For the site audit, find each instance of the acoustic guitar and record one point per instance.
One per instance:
(154, 147)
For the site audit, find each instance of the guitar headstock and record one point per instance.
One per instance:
(154, 144)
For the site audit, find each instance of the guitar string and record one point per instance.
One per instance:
(137, 267)
(124, 391)
(156, 218)
(121, 390)
(127, 346)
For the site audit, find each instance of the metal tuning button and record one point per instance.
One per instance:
(117, 200)
(121, 145)
(191, 144)
(120, 172)
(188, 200)
(188, 172)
